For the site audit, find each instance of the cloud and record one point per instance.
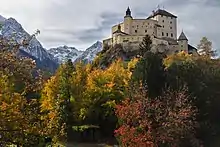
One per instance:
(80, 23)
(103, 29)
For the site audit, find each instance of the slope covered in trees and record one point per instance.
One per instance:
(153, 100)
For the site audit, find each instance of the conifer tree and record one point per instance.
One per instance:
(149, 71)
(145, 45)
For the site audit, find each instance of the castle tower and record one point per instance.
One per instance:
(183, 42)
(127, 21)
(128, 12)
(168, 23)
(116, 35)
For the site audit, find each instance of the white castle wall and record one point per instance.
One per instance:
(158, 27)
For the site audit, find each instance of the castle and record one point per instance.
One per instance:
(161, 26)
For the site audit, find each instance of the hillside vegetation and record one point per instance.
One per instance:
(128, 98)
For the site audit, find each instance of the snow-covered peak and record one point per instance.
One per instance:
(13, 24)
(95, 46)
(64, 53)
(12, 30)
(91, 52)
(2, 19)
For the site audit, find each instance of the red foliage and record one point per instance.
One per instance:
(149, 122)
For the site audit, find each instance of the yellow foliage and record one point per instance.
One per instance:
(179, 57)
(107, 79)
(49, 94)
(87, 87)
(132, 63)
(15, 117)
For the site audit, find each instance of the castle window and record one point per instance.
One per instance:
(162, 34)
(135, 31)
(167, 34)
(181, 46)
(170, 27)
(163, 26)
(171, 34)
(162, 20)
(137, 25)
(171, 22)
(161, 15)
(145, 31)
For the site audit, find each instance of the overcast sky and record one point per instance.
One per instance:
(80, 23)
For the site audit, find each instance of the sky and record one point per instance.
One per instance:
(80, 23)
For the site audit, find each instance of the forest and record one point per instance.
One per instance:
(150, 100)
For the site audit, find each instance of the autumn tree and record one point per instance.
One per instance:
(79, 89)
(19, 117)
(56, 103)
(201, 76)
(166, 120)
(205, 47)
(105, 89)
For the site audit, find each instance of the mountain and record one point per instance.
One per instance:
(64, 52)
(2, 19)
(49, 60)
(90, 53)
(10, 29)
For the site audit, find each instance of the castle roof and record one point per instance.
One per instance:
(120, 32)
(162, 12)
(128, 12)
(182, 36)
(191, 49)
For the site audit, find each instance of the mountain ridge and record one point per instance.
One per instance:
(49, 59)
(90, 53)
(10, 29)
(64, 52)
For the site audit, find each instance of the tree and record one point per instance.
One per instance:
(201, 76)
(56, 104)
(149, 72)
(16, 123)
(164, 121)
(105, 89)
(145, 45)
(205, 48)
(19, 86)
